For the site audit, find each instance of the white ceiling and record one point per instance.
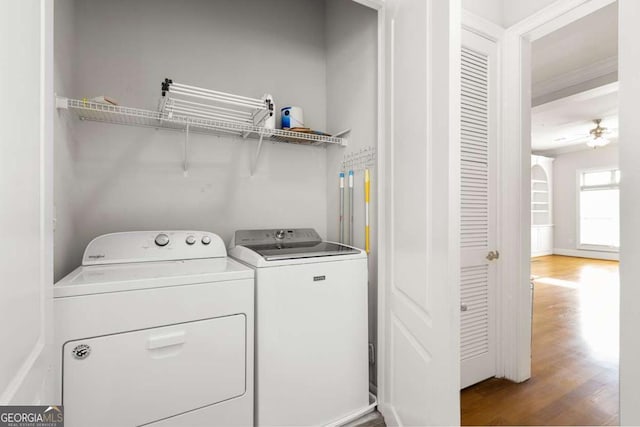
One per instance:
(562, 57)
(567, 121)
(589, 40)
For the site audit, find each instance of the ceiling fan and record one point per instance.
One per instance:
(597, 133)
(594, 139)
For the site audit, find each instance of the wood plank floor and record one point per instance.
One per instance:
(575, 352)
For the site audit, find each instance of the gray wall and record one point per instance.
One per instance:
(66, 244)
(352, 103)
(565, 192)
(124, 178)
(319, 55)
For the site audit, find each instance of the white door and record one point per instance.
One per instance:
(26, 155)
(478, 193)
(419, 378)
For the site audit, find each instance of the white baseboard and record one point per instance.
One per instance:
(541, 253)
(614, 256)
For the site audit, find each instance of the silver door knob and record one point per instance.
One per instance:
(493, 255)
(464, 307)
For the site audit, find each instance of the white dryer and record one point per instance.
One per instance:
(155, 328)
(311, 327)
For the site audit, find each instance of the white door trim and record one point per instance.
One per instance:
(514, 360)
(32, 382)
(382, 194)
(628, 98)
(379, 7)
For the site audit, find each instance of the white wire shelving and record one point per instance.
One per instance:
(117, 114)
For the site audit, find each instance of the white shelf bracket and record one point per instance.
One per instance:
(62, 103)
(254, 163)
(185, 165)
(342, 133)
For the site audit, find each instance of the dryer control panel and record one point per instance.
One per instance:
(279, 235)
(146, 246)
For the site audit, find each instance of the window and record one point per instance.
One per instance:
(599, 209)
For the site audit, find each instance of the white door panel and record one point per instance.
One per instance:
(421, 301)
(477, 209)
(26, 260)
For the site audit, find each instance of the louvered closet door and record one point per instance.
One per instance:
(478, 221)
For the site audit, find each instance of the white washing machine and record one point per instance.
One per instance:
(311, 327)
(155, 329)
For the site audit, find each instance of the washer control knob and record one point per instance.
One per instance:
(162, 239)
(280, 234)
(190, 240)
(206, 240)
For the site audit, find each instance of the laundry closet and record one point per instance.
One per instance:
(117, 170)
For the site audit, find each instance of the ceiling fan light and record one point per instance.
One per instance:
(598, 142)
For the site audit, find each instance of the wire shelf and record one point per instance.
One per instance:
(116, 114)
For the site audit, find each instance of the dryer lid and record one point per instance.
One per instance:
(106, 278)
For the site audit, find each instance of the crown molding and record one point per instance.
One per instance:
(481, 26)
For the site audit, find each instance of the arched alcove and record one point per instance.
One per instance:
(540, 206)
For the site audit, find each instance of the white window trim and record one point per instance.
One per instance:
(587, 247)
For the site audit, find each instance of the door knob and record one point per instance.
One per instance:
(493, 255)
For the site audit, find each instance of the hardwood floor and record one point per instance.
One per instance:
(575, 352)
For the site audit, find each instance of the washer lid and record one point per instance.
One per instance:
(282, 251)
